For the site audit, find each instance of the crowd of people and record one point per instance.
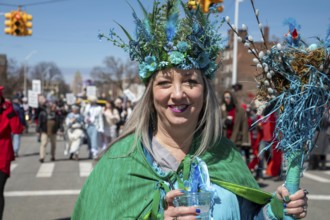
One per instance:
(89, 122)
(97, 124)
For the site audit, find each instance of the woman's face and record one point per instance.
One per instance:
(227, 98)
(178, 97)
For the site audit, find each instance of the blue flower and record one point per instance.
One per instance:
(150, 62)
(169, 46)
(111, 33)
(203, 60)
(182, 46)
(143, 71)
(176, 57)
(148, 67)
(210, 72)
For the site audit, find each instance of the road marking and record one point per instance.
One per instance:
(12, 166)
(318, 197)
(76, 192)
(85, 168)
(41, 193)
(46, 170)
(327, 172)
(316, 178)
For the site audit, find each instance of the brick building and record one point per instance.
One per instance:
(3, 70)
(246, 69)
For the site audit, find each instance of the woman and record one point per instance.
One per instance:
(236, 127)
(10, 123)
(93, 119)
(175, 127)
(75, 132)
(111, 117)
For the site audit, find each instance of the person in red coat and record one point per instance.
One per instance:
(9, 123)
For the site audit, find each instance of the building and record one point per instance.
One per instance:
(246, 70)
(3, 69)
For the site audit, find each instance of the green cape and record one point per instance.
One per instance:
(124, 186)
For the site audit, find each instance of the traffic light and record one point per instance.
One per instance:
(27, 19)
(206, 4)
(18, 23)
(192, 4)
(8, 23)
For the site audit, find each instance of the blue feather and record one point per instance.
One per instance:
(292, 23)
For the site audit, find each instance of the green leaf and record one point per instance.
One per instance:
(125, 31)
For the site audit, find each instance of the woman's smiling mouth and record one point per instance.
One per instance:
(178, 108)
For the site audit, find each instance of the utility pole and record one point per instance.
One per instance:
(234, 76)
(25, 71)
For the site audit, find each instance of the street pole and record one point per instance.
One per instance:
(25, 71)
(234, 76)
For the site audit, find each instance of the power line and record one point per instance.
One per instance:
(32, 4)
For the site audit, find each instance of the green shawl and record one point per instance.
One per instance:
(124, 186)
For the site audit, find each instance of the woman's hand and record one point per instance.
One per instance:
(178, 213)
(295, 204)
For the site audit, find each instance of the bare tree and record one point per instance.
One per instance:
(116, 75)
(51, 77)
(15, 78)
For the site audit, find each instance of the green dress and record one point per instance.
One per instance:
(123, 185)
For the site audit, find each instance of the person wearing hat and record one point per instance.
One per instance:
(93, 117)
(10, 123)
(172, 145)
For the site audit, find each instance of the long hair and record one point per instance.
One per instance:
(144, 116)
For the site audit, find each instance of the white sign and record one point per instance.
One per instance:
(130, 95)
(33, 99)
(91, 91)
(36, 86)
(70, 99)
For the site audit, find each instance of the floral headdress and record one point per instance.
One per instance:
(165, 40)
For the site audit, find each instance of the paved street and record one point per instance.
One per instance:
(49, 190)
(44, 191)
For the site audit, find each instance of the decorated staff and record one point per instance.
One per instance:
(295, 77)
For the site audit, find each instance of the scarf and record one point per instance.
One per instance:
(124, 186)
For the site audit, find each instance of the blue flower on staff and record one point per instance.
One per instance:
(176, 57)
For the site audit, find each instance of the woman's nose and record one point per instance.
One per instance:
(178, 92)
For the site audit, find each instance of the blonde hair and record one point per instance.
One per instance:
(143, 119)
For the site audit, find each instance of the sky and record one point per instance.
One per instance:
(65, 31)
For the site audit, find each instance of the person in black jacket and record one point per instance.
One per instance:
(48, 124)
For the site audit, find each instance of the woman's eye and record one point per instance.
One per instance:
(192, 82)
(163, 83)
